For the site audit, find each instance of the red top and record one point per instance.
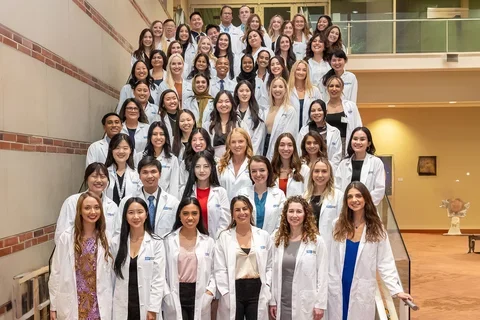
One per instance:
(282, 184)
(202, 197)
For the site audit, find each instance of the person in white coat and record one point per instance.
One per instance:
(174, 80)
(268, 199)
(312, 147)
(135, 123)
(200, 64)
(284, 49)
(203, 184)
(199, 101)
(233, 165)
(141, 92)
(362, 165)
(139, 266)
(81, 275)
(243, 265)
(123, 179)
(184, 36)
(325, 199)
(249, 111)
(290, 174)
(341, 114)
(158, 146)
(189, 273)
(330, 134)
(281, 117)
(181, 132)
(223, 48)
(301, 91)
(226, 26)
(338, 61)
(97, 151)
(316, 58)
(96, 179)
(222, 80)
(300, 265)
(360, 250)
(161, 205)
(301, 35)
(146, 44)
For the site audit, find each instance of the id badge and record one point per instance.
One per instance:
(344, 120)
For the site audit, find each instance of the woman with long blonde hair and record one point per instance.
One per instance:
(288, 171)
(159, 39)
(81, 277)
(233, 165)
(299, 253)
(301, 90)
(281, 116)
(325, 199)
(174, 79)
(360, 250)
(274, 29)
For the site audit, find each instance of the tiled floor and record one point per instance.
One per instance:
(445, 279)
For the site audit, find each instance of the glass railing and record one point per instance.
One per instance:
(402, 261)
(411, 36)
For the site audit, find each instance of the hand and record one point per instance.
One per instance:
(404, 296)
(209, 293)
(273, 312)
(318, 314)
(151, 315)
(53, 315)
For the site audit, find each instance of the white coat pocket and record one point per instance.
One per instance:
(307, 298)
(206, 306)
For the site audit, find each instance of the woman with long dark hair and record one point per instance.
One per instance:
(145, 47)
(284, 48)
(317, 59)
(181, 132)
(139, 265)
(184, 36)
(134, 123)
(189, 265)
(338, 59)
(360, 251)
(223, 48)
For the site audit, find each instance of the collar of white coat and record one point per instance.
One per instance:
(242, 167)
(176, 236)
(367, 159)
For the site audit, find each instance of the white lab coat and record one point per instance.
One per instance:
(297, 188)
(273, 206)
(331, 208)
(191, 103)
(309, 97)
(204, 250)
(68, 212)
(256, 135)
(225, 264)
(233, 183)
(317, 71)
(228, 85)
(127, 92)
(350, 88)
(62, 284)
(150, 274)
(141, 135)
(236, 35)
(164, 217)
(151, 111)
(97, 151)
(286, 120)
(220, 150)
(190, 52)
(372, 176)
(170, 175)
(310, 279)
(300, 48)
(132, 185)
(371, 257)
(334, 144)
(353, 119)
(218, 207)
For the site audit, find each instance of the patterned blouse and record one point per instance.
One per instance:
(86, 276)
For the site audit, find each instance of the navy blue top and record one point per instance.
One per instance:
(131, 134)
(300, 124)
(260, 207)
(347, 275)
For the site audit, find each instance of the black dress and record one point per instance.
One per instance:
(133, 299)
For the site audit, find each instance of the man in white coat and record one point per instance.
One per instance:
(226, 17)
(97, 152)
(162, 207)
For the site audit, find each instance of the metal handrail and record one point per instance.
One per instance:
(407, 20)
(412, 305)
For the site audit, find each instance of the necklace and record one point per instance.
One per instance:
(136, 240)
(358, 225)
(121, 189)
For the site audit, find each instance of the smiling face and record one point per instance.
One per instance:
(254, 40)
(205, 45)
(255, 23)
(141, 93)
(295, 214)
(259, 172)
(299, 23)
(223, 42)
(321, 174)
(322, 24)
(169, 29)
(201, 63)
(190, 216)
(170, 102)
(317, 45)
(149, 175)
(186, 122)
(183, 34)
(335, 88)
(311, 146)
(213, 34)
(286, 148)
(91, 210)
(121, 152)
(147, 39)
(316, 113)
(247, 64)
(288, 30)
(276, 68)
(238, 144)
(360, 142)
(131, 111)
(333, 35)
(201, 84)
(136, 215)
(198, 142)
(263, 58)
(244, 93)
(355, 200)
(301, 71)
(97, 182)
(113, 125)
(284, 44)
(338, 64)
(141, 71)
(196, 22)
(224, 105)
(157, 29)
(278, 89)
(176, 66)
(157, 61)
(276, 23)
(203, 170)
(241, 213)
(176, 48)
(158, 138)
(222, 66)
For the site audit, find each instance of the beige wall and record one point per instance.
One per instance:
(39, 100)
(451, 134)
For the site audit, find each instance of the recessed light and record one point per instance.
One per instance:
(354, 11)
(391, 106)
(468, 173)
(457, 180)
(452, 102)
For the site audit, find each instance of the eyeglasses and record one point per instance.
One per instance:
(131, 108)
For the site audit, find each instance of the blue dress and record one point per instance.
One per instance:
(347, 275)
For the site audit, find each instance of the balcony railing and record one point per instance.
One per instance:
(411, 36)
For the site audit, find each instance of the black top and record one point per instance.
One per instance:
(335, 120)
(133, 299)
(157, 82)
(219, 139)
(356, 169)
(116, 196)
(246, 250)
(242, 114)
(321, 131)
(300, 123)
(131, 134)
(173, 120)
(316, 203)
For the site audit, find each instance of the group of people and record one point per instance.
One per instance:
(235, 181)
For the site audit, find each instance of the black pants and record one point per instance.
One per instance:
(247, 292)
(187, 300)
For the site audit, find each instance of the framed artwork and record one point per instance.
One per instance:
(427, 166)
(388, 164)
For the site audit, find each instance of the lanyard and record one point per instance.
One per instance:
(121, 189)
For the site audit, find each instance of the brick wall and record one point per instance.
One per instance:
(26, 240)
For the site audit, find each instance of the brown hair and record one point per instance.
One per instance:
(344, 227)
(295, 162)
(100, 226)
(247, 202)
(322, 147)
(309, 227)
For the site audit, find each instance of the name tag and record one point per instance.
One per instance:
(167, 208)
(145, 137)
(135, 182)
(207, 254)
(276, 205)
(370, 172)
(110, 213)
(166, 166)
(311, 252)
(331, 206)
(347, 83)
(148, 258)
(344, 119)
(217, 205)
(262, 247)
(153, 112)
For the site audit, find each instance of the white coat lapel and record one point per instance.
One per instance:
(162, 202)
(301, 253)
(361, 245)
(145, 242)
(367, 163)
